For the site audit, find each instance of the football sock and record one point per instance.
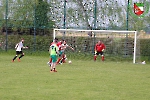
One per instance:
(15, 57)
(102, 58)
(58, 60)
(95, 58)
(63, 60)
(50, 60)
(21, 56)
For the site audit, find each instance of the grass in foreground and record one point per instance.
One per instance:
(30, 79)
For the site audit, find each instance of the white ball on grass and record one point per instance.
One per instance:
(69, 61)
(143, 62)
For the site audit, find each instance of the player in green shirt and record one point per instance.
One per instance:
(53, 50)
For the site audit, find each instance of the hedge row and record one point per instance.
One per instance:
(145, 49)
(41, 43)
(37, 43)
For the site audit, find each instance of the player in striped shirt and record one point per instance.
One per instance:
(19, 46)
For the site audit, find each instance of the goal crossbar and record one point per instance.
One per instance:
(111, 31)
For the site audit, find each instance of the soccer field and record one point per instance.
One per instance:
(30, 79)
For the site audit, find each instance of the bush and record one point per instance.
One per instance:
(37, 43)
(83, 46)
(145, 49)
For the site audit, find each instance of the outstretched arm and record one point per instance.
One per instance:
(71, 48)
(25, 47)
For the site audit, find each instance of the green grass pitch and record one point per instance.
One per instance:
(30, 79)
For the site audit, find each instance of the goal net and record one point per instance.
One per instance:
(120, 45)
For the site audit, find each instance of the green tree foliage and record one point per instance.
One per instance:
(79, 14)
(109, 14)
(24, 15)
(41, 10)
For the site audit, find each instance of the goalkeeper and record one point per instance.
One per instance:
(99, 50)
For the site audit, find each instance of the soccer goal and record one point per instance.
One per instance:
(120, 45)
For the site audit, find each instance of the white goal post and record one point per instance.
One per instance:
(99, 33)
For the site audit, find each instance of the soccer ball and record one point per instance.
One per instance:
(69, 61)
(143, 62)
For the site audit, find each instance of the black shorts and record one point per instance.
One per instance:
(99, 53)
(19, 52)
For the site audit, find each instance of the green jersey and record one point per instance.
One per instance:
(53, 49)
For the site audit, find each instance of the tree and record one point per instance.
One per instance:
(41, 10)
(23, 15)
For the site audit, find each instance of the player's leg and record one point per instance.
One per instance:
(102, 56)
(51, 68)
(95, 55)
(53, 65)
(22, 54)
(63, 58)
(15, 56)
(50, 61)
(60, 57)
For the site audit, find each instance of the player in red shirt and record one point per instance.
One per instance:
(59, 44)
(62, 55)
(99, 50)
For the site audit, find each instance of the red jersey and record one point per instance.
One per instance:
(100, 47)
(59, 44)
(51, 43)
